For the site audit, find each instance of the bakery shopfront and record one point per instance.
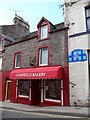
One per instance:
(37, 86)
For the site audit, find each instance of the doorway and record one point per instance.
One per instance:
(36, 92)
(8, 84)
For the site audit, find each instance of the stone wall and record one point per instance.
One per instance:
(57, 44)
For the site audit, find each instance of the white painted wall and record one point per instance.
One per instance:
(78, 71)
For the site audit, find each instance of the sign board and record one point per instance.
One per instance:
(77, 55)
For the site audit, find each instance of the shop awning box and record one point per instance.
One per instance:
(37, 73)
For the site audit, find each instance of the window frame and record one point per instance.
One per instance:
(39, 31)
(52, 100)
(42, 31)
(15, 60)
(39, 58)
(2, 42)
(87, 17)
(23, 96)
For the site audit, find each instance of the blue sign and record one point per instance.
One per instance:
(77, 55)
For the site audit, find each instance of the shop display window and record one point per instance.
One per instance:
(24, 88)
(52, 89)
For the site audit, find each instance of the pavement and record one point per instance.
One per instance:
(58, 110)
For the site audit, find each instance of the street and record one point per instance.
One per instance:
(7, 113)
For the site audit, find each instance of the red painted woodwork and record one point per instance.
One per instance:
(52, 72)
(50, 103)
(22, 100)
(4, 77)
(66, 99)
(13, 91)
(36, 92)
(40, 24)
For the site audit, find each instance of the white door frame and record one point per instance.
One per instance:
(8, 81)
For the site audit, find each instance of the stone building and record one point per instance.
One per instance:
(18, 28)
(77, 18)
(35, 67)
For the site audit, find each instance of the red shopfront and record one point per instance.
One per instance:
(38, 86)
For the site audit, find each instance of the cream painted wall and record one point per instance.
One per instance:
(78, 71)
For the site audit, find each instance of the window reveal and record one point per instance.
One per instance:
(24, 87)
(52, 89)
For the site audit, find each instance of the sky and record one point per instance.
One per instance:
(31, 11)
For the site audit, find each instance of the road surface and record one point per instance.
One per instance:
(7, 113)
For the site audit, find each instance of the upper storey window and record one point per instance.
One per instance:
(2, 44)
(44, 32)
(43, 29)
(88, 18)
(17, 60)
(43, 56)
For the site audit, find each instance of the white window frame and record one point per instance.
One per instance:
(44, 32)
(16, 60)
(24, 96)
(40, 50)
(87, 18)
(59, 101)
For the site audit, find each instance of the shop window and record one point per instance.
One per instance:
(17, 60)
(43, 56)
(24, 88)
(0, 63)
(88, 18)
(44, 31)
(52, 89)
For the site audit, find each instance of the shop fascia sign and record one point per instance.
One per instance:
(30, 74)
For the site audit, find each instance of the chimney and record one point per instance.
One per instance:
(19, 20)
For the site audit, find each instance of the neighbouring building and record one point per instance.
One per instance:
(4, 40)
(77, 18)
(35, 67)
(10, 33)
(18, 28)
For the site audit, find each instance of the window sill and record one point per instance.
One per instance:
(52, 100)
(47, 38)
(23, 96)
(16, 67)
(43, 65)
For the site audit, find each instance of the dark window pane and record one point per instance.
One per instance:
(17, 60)
(88, 12)
(52, 89)
(44, 56)
(44, 31)
(88, 23)
(24, 87)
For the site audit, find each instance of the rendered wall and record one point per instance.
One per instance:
(78, 71)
